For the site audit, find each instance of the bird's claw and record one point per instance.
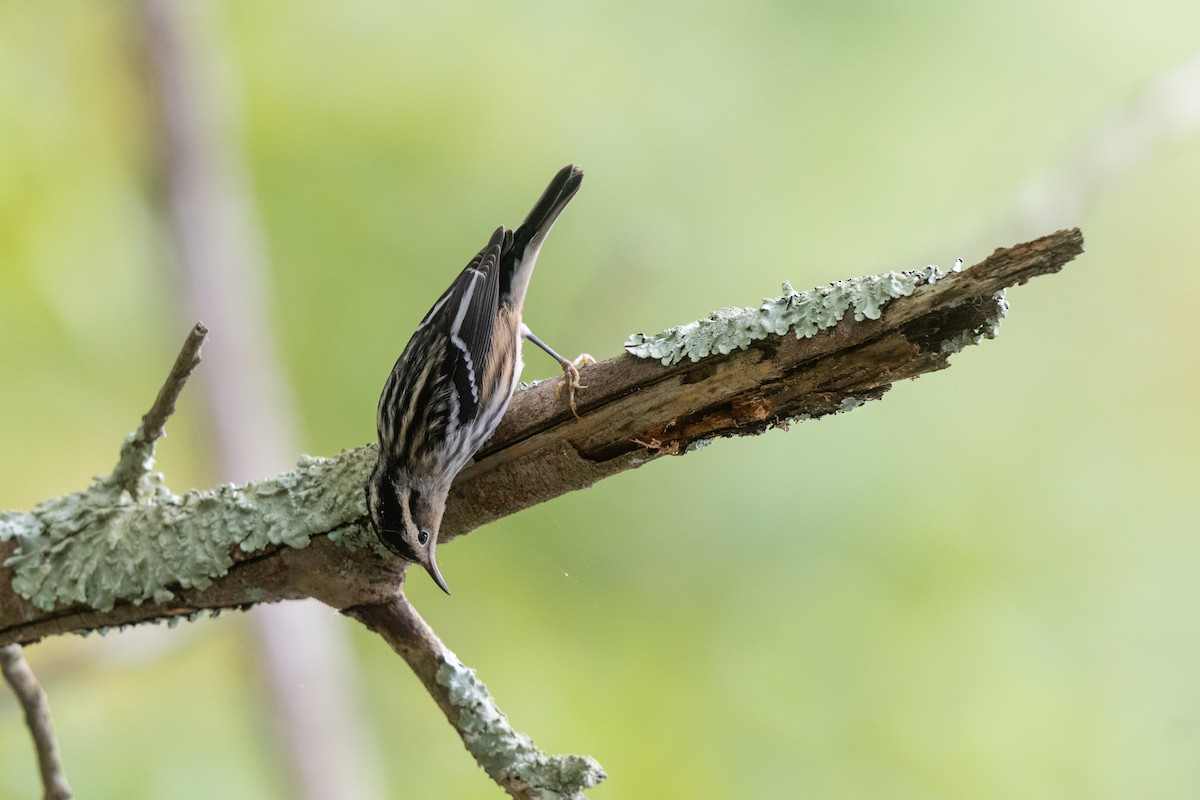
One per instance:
(570, 380)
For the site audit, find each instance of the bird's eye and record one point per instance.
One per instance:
(422, 537)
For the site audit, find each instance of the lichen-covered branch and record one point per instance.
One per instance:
(91, 560)
(856, 339)
(37, 716)
(509, 757)
(97, 558)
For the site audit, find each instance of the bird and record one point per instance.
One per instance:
(454, 379)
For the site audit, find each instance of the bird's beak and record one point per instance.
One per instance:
(432, 569)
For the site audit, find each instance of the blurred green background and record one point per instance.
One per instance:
(984, 586)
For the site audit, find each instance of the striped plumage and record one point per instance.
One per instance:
(453, 382)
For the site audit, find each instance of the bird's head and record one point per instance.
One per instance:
(406, 515)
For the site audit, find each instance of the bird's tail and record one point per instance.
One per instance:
(519, 257)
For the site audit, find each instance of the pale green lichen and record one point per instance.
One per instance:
(988, 330)
(504, 753)
(848, 404)
(806, 313)
(99, 546)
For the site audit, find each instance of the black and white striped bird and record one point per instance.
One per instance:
(453, 382)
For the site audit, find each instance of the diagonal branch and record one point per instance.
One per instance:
(637, 410)
(87, 561)
(509, 757)
(37, 716)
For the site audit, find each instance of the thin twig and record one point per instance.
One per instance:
(181, 370)
(37, 716)
(138, 451)
(509, 757)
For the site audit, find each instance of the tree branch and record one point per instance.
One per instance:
(137, 453)
(37, 716)
(92, 560)
(510, 758)
(636, 410)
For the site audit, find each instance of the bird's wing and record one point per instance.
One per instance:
(467, 320)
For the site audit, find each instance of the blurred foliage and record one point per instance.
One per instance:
(983, 586)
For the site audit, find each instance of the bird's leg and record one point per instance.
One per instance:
(570, 368)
